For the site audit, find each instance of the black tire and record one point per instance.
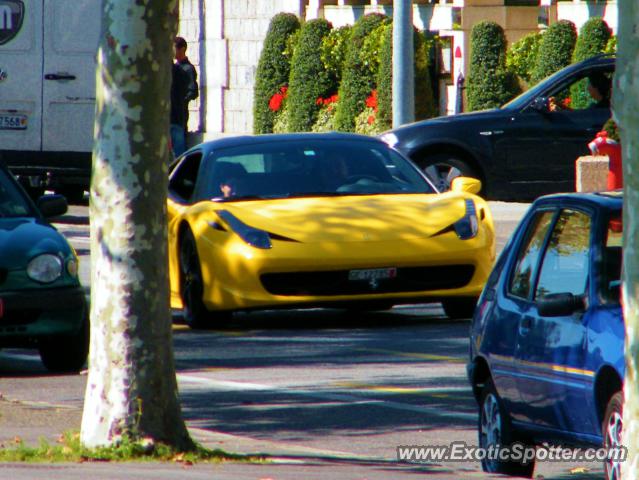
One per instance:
(73, 194)
(456, 308)
(195, 313)
(443, 168)
(66, 354)
(494, 429)
(611, 429)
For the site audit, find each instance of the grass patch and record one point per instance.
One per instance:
(69, 449)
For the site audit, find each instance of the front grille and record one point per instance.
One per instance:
(412, 279)
(19, 317)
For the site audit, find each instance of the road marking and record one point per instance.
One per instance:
(423, 356)
(431, 391)
(227, 385)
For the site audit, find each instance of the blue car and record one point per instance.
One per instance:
(547, 338)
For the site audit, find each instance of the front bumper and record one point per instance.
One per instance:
(31, 314)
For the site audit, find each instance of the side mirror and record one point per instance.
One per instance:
(540, 104)
(52, 205)
(560, 304)
(466, 184)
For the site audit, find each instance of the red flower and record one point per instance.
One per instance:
(371, 119)
(371, 101)
(275, 103)
(567, 102)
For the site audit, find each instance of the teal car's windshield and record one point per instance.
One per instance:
(12, 201)
(297, 168)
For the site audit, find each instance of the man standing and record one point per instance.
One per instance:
(184, 88)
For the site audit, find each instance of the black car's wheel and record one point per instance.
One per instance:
(456, 308)
(611, 430)
(494, 429)
(196, 315)
(67, 353)
(443, 168)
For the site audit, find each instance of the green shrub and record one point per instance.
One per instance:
(489, 84)
(272, 70)
(521, 57)
(309, 79)
(333, 51)
(555, 49)
(357, 79)
(610, 127)
(424, 102)
(592, 40)
(611, 46)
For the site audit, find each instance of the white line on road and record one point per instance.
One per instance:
(226, 385)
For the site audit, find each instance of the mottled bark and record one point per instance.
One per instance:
(132, 388)
(626, 111)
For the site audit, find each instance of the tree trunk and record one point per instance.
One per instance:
(625, 102)
(132, 388)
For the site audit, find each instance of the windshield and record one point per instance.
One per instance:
(298, 168)
(12, 202)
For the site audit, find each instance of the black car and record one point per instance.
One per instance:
(522, 150)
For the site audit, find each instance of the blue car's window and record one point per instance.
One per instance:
(523, 274)
(310, 168)
(612, 260)
(566, 263)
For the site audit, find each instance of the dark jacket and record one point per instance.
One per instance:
(183, 89)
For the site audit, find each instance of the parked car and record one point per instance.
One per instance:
(503, 147)
(308, 220)
(42, 304)
(547, 338)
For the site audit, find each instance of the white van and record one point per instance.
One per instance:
(47, 91)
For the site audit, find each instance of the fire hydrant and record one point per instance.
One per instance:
(602, 145)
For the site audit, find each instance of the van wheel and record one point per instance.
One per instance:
(457, 308)
(74, 194)
(611, 429)
(443, 168)
(495, 430)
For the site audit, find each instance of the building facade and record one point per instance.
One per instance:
(225, 40)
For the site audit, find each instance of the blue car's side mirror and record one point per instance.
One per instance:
(560, 304)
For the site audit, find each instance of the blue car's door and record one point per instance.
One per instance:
(502, 332)
(551, 351)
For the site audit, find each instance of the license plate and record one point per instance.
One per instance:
(372, 274)
(13, 122)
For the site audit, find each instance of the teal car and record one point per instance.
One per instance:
(42, 304)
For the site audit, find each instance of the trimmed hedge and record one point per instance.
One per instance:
(357, 79)
(521, 57)
(309, 79)
(592, 40)
(556, 49)
(333, 51)
(272, 70)
(385, 80)
(490, 84)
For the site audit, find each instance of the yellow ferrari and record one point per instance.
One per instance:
(312, 220)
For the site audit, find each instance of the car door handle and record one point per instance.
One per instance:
(59, 76)
(524, 325)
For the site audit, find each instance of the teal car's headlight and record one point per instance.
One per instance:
(73, 267)
(253, 236)
(468, 226)
(45, 268)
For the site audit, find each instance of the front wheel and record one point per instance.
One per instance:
(443, 168)
(191, 283)
(66, 354)
(611, 429)
(495, 430)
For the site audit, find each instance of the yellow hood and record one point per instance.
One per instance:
(352, 218)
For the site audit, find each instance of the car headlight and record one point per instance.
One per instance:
(468, 226)
(45, 268)
(253, 236)
(389, 139)
(72, 267)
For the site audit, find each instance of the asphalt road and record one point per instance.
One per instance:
(327, 394)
